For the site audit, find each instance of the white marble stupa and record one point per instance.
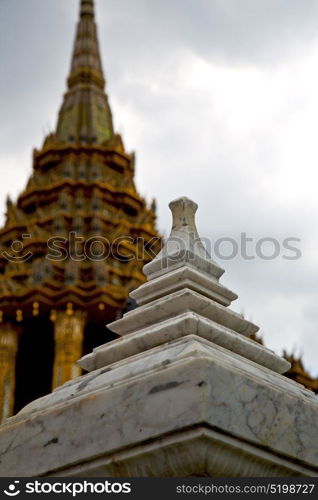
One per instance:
(182, 392)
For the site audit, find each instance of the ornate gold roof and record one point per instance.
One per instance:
(82, 184)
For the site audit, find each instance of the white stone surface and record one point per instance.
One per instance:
(178, 303)
(184, 281)
(185, 384)
(183, 246)
(184, 391)
(183, 277)
(188, 323)
(195, 452)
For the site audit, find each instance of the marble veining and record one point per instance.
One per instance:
(183, 391)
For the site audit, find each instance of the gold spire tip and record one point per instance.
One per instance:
(87, 8)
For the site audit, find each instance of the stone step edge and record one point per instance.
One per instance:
(185, 324)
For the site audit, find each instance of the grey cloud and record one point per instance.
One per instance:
(245, 30)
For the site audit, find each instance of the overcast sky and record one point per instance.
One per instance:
(219, 100)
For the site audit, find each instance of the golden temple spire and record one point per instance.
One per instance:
(82, 184)
(87, 8)
(85, 116)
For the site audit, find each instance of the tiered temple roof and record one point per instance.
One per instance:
(83, 182)
(82, 199)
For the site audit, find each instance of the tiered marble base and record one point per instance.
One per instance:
(183, 392)
(186, 408)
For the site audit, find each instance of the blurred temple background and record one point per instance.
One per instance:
(55, 309)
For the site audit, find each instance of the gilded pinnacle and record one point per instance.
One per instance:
(87, 8)
(85, 116)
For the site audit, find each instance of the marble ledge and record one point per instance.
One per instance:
(184, 277)
(168, 263)
(178, 303)
(181, 326)
(194, 382)
(199, 451)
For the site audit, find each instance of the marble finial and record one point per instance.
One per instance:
(183, 214)
(184, 243)
(184, 231)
